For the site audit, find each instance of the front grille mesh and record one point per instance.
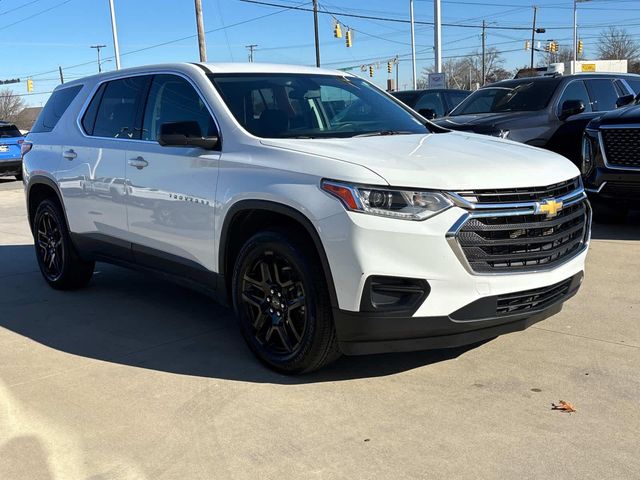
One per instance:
(529, 194)
(622, 146)
(535, 299)
(494, 244)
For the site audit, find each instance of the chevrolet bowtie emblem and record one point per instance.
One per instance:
(550, 208)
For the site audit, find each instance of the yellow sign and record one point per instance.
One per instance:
(588, 67)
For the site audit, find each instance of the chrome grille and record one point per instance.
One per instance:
(518, 238)
(622, 147)
(535, 299)
(528, 194)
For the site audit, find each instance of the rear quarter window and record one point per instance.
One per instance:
(55, 108)
(9, 131)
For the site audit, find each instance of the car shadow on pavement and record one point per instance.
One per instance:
(629, 230)
(142, 321)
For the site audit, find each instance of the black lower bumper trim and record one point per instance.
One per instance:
(362, 333)
(11, 167)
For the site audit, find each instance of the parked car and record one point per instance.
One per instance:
(328, 233)
(611, 163)
(433, 102)
(547, 112)
(10, 158)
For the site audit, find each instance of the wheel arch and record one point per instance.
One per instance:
(237, 227)
(39, 188)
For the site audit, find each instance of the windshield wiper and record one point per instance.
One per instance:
(383, 133)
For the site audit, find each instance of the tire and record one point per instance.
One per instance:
(281, 300)
(58, 260)
(608, 213)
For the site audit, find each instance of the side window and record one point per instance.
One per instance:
(576, 91)
(634, 83)
(55, 108)
(603, 94)
(173, 99)
(455, 98)
(119, 106)
(432, 101)
(621, 88)
(89, 118)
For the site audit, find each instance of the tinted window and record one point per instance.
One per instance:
(55, 108)
(173, 99)
(634, 83)
(431, 101)
(508, 97)
(89, 118)
(603, 94)
(408, 98)
(456, 98)
(576, 91)
(309, 106)
(9, 131)
(119, 107)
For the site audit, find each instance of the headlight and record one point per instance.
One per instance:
(589, 147)
(388, 202)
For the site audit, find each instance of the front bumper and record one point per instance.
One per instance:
(366, 333)
(11, 166)
(614, 185)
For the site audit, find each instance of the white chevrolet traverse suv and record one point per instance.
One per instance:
(330, 216)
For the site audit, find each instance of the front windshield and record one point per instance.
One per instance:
(312, 106)
(520, 97)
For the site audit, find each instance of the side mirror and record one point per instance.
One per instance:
(185, 134)
(428, 113)
(571, 107)
(624, 100)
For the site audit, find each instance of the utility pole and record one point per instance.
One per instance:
(251, 49)
(114, 30)
(315, 28)
(437, 35)
(484, 46)
(61, 77)
(202, 47)
(98, 47)
(413, 46)
(397, 72)
(533, 35)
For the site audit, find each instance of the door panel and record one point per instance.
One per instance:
(171, 190)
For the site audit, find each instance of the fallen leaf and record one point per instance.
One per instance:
(563, 406)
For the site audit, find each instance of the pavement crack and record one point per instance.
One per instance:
(586, 337)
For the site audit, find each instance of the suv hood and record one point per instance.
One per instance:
(626, 115)
(479, 121)
(443, 161)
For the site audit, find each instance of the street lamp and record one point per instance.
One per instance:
(575, 33)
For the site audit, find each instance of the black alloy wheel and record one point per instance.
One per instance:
(49, 246)
(59, 263)
(281, 299)
(273, 296)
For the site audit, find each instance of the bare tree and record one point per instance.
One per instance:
(617, 44)
(10, 105)
(564, 54)
(466, 71)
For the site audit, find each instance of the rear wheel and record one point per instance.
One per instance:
(282, 302)
(59, 263)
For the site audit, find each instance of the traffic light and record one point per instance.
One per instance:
(348, 39)
(29, 85)
(371, 70)
(527, 45)
(580, 47)
(390, 67)
(554, 47)
(337, 30)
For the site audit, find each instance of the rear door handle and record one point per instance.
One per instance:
(138, 162)
(70, 154)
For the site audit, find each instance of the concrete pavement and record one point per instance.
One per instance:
(135, 378)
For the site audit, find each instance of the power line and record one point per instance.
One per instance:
(4, 27)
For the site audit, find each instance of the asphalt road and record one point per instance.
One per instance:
(133, 378)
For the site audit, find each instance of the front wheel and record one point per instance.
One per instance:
(281, 299)
(58, 260)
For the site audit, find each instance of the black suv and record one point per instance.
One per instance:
(611, 162)
(547, 112)
(433, 102)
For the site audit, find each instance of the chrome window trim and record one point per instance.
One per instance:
(95, 88)
(601, 144)
(510, 209)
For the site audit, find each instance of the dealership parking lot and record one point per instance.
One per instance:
(135, 378)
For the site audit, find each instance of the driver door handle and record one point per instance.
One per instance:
(138, 162)
(70, 154)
